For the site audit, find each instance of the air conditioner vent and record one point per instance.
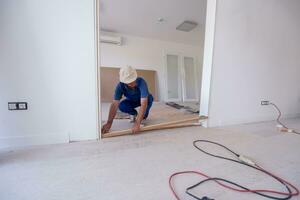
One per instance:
(116, 40)
(186, 26)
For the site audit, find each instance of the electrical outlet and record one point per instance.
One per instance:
(22, 106)
(12, 106)
(265, 103)
(17, 106)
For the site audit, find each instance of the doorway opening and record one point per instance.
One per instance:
(170, 60)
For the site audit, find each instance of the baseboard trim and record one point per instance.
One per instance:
(7, 143)
(216, 123)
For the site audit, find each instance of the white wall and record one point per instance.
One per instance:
(145, 53)
(256, 56)
(47, 58)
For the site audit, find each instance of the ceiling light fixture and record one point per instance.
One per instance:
(186, 26)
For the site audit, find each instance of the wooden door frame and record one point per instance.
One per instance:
(205, 97)
(97, 66)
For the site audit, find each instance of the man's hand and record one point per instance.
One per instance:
(136, 128)
(106, 127)
(112, 113)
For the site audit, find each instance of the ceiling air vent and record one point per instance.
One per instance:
(186, 26)
(116, 40)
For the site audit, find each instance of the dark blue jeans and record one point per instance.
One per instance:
(128, 106)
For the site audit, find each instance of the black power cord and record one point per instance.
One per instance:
(287, 185)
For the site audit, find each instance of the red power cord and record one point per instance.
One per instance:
(278, 119)
(296, 193)
(292, 190)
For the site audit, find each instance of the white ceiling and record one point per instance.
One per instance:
(140, 18)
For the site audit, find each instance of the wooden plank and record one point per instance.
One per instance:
(181, 125)
(154, 126)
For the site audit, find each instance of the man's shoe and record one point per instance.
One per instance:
(132, 118)
(143, 123)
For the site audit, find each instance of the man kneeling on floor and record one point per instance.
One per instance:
(135, 90)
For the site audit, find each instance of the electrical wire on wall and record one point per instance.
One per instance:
(280, 125)
(290, 192)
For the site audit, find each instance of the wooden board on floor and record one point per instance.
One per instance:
(160, 113)
(110, 78)
(170, 124)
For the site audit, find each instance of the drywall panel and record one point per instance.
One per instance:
(110, 78)
(150, 77)
(256, 56)
(47, 58)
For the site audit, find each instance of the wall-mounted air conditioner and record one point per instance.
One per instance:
(117, 40)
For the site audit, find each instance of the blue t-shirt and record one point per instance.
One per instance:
(134, 94)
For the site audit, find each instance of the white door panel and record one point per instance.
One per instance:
(181, 78)
(173, 78)
(190, 89)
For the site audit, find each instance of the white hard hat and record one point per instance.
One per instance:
(127, 74)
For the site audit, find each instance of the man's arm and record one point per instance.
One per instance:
(112, 113)
(140, 117)
(113, 110)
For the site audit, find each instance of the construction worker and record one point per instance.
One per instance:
(135, 90)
